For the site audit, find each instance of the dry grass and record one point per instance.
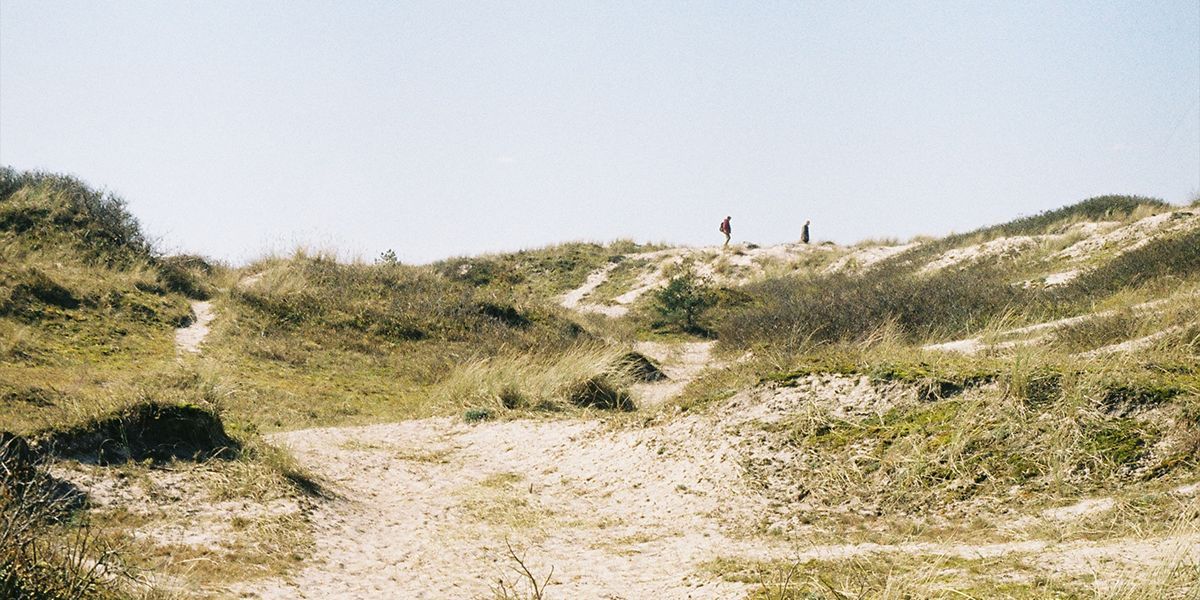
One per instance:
(902, 577)
(590, 376)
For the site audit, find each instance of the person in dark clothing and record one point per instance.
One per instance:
(804, 233)
(726, 229)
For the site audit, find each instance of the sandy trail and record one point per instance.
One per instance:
(572, 299)
(734, 265)
(617, 514)
(629, 513)
(681, 363)
(188, 339)
(616, 511)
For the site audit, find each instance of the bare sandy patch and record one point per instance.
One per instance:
(188, 339)
(1131, 236)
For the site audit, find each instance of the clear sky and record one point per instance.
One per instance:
(442, 128)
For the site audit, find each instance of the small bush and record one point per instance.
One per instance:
(475, 415)
(680, 303)
(388, 257)
(599, 392)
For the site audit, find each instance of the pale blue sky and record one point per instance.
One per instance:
(441, 128)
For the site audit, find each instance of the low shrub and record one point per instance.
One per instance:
(42, 555)
(146, 430)
(600, 391)
(680, 304)
(475, 415)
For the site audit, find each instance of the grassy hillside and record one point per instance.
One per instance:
(88, 374)
(318, 342)
(794, 310)
(539, 274)
(83, 298)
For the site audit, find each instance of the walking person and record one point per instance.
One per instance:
(727, 230)
(804, 233)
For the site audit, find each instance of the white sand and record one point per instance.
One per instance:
(617, 512)
(1131, 236)
(188, 339)
(865, 258)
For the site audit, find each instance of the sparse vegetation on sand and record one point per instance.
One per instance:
(1010, 412)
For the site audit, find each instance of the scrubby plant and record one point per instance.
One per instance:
(476, 415)
(42, 555)
(680, 304)
(526, 586)
(388, 257)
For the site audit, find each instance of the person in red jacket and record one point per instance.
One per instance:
(726, 229)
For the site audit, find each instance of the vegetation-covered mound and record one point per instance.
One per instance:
(905, 295)
(150, 430)
(390, 304)
(79, 277)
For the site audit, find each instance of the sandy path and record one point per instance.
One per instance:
(617, 512)
(749, 263)
(188, 339)
(572, 299)
(681, 363)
